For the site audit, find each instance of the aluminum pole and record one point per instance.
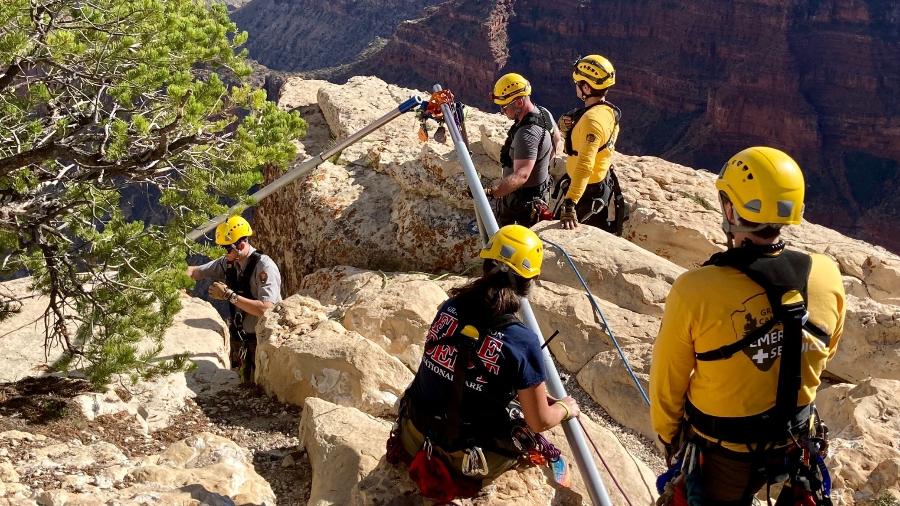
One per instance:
(573, 430)
(308, 165)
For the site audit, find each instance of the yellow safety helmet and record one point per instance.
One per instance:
(510, 87)
(765, 186)
(518, 248)
(231, 230)
(595, 70)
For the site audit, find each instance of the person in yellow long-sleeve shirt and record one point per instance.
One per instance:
(590, 189)
(742, 346)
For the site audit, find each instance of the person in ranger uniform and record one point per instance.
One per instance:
(742, 346)
(249, 281)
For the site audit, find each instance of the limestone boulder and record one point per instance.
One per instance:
(390, 202)
(346, 450)
(870, 346)
(352, 215)
(344, 445)
(394, 310)
(582, 334)
(608, 382)
(299, 92)
(362, 100)
(865, 431)
(206, 467)
(431, 171)
(877, 268)
(614, 269)
(198, 331)
(303, 353)
(674, 209)
(492, 139)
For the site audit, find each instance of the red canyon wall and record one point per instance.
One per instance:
(698, 81)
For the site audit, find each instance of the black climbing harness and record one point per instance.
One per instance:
(576, 116)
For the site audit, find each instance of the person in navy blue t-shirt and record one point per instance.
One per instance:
(476, 333)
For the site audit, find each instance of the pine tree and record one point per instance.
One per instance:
(97, 96)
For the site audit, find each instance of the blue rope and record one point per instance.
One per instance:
(602, 318)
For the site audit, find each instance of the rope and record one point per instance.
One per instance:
(597, 310)
(546, 448)
(603, 461)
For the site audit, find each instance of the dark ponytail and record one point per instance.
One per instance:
(495, 293)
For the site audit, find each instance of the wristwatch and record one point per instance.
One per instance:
(232, 298)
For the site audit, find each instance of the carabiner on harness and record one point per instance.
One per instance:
(597, 205)
(474, 464)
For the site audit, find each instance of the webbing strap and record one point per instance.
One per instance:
(777, 275)
(241, 283)
(747, 429)
(535, 117)
(576, 116)
(465, 346)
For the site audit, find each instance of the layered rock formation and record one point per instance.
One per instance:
(281, 32)
(816, 78)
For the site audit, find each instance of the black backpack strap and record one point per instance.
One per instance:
(779, 276)
(243, 288)
(723, 352)
(536, 117)
(576, 117)
(618, 200)
(617, 114)
(241, 285)
(466, 347)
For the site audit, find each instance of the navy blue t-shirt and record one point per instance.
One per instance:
(512, 361)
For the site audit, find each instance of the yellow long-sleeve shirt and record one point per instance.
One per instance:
(714, 306)
(592, 131)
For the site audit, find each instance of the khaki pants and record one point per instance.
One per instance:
(413, 440)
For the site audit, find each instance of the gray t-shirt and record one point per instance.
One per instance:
(265, 283)
(528, 145)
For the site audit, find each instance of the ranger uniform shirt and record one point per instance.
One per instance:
(593, 130)
(713, 306)
(265, 283)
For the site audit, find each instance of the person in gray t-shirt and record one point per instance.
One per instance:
(249, 281)
(523, 190)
